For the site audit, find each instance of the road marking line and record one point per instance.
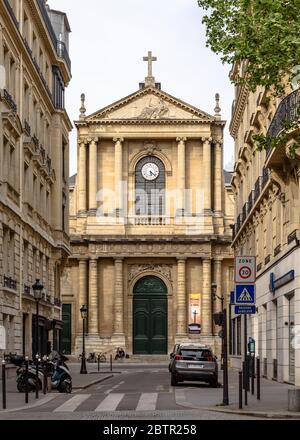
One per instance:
(100, 386)
(115, 386)
(110, 403)
(108, 391)
(147, 402)
(72, 403)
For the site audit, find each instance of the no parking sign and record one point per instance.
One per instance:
(245, 270)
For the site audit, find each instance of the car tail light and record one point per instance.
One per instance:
(178, 358)
(210, 359)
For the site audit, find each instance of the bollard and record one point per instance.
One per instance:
(98, 362)
(245, 383)
(37, 377)
(26, 380)
(240, 389)
(3, 385)
(45, 371)
(111, 367)
(258, 378)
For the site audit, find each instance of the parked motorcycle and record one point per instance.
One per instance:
(61, 378)
(56, 369)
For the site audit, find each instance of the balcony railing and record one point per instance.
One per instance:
(10, 283)
(9, 100)
(148, 220)
(292, 236)
(57, 302)
(286, 111)
(27, 128)
(59, 45)
(27, 290)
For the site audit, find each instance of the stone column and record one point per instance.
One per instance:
(119, 175)
(207, 174)
(181, 176)
(181, 298)
(82, 292)
(93, 297)
(206, 298)
(82, 178)
(93, 184)
(218, 178)
(119, 302)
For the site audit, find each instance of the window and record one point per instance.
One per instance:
(25, 263)
(150, 193)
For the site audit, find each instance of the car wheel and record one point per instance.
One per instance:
(174, 380)
(214, 383)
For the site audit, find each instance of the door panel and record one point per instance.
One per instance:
(150, 325)
(67, 329)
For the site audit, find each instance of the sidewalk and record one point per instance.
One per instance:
(273, 403)
(15, 401)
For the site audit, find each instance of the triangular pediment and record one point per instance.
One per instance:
(150, 104)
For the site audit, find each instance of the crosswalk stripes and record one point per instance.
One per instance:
(110, 403)
(72, 404)
(147, 402)
(114, 401)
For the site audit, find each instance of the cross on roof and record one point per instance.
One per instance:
(150, 59)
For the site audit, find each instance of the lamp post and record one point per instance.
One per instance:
(223, 323)
(83, 311)
(38, 294)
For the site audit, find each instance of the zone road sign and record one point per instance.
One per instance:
(245, 270)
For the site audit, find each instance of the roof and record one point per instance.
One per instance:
(227, 177)
(72, 180)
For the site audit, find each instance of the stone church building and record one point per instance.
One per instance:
(150, 216)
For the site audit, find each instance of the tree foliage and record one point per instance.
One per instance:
(266, 33)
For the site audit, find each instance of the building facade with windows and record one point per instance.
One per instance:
(34, 170)
(266, 187)
(150, 216)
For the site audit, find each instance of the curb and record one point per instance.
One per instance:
(32, 405)
(94, 382)
(181, 401)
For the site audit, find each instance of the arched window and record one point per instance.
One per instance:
(150, 186)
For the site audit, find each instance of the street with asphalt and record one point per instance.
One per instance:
(143, 391)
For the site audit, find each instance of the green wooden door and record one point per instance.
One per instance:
(67, 329)
(150, 316)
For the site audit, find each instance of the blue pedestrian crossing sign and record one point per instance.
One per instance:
(245, 294)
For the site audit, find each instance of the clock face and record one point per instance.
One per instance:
(150, 171)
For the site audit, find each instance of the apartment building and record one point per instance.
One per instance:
(266, 187)
(34, 167)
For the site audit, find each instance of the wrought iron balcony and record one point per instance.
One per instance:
(286, 111)
(9, 101)
(60, 47)
(250, 201)
(265, 177)
(27, 128)
(10, 283)
(57, 302)
(245, 212)
(257, 188)
(27, 290)
(292, 236)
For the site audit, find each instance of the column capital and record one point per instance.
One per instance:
(218, 259)
(181, 259)
(93, 260)
(206, 140)
(82, 141)
(119, 259)
(206, 259)
(83, 260)
(181, 139)
(218, 141)
(118, 140)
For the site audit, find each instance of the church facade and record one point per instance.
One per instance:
(150, 216)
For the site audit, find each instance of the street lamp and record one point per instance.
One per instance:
(38, 294)
(83, 311)
(221, 319)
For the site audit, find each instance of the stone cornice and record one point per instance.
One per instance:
(238, 111)
(90, 123)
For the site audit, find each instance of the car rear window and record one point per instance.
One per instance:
(196, 354)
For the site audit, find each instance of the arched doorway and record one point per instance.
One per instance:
(150, 316)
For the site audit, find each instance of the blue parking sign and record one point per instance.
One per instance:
(244, 294)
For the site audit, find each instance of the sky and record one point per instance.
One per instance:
(109, 39)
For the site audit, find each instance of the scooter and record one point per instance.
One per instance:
(61, 378)
(56, 368)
